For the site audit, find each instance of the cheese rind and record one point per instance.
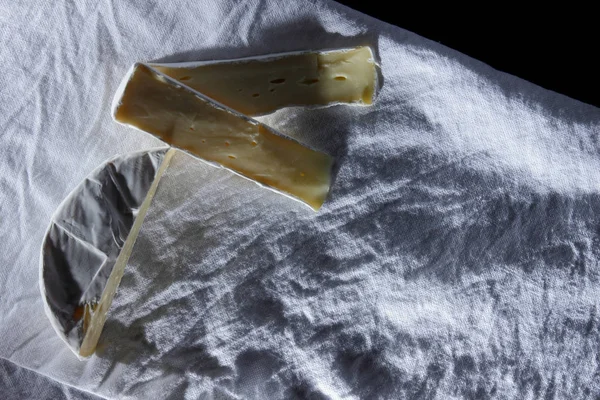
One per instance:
(197, 124)
(260, 85)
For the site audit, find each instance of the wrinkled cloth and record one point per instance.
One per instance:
(20, 383)
(456, 257)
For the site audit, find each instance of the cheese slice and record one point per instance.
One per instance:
(261, 85)
(187, 119)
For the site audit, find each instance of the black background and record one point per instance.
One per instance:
(554, 46)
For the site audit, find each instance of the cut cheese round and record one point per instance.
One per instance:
(85, 240)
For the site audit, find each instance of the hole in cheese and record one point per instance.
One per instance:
(256, 95)
(278, 80)
(254, 143)
(232, 157)
(340, 78)
(307, 81)
(185, 78)
(226, 144)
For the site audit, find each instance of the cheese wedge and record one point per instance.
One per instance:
(260, 85)
(187, 119)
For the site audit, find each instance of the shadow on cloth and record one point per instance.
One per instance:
(438, 218)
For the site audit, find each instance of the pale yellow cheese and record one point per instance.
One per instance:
(189, 121)
(260, 86)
